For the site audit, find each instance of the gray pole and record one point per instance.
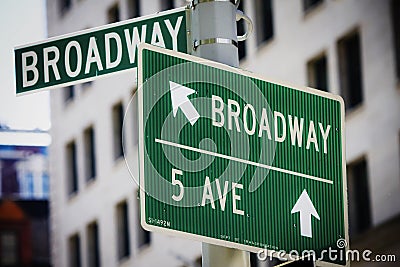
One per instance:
(213, 32)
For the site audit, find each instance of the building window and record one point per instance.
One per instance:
(123, 230)
(113, 13)
(395, 8)
(359, 199)
(9, 248)
(167, 4)
(241, 29)
(265, 29)
(65, 5)
(87, 85)
(74, 251)
(90, 153)
(317, 73)
(144, 238)
(69, 93)
(350, 69)
(134, 8)
(118, 118)
(310, 4)
(72, 170)
(93, 245)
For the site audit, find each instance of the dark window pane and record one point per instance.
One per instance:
(167, 4)
(118, 117)
(75, 251)
(93, 245)
(113, 14)
(65, 5)
(123, 230)
(90, 153)
(264, 26)
(134, 8)
(87, 85)
(9, 248)
(144, 238)
(69, 93)
(350, 69)
(359, 200)
(317, 73)
(72, 168)
(309, 4)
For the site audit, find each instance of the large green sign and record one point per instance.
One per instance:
(230, 158)
(86, 55)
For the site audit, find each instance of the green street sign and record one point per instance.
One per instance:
(85, 55)
(229, 158)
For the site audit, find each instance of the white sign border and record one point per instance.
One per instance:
(85, 31)
(215, 241)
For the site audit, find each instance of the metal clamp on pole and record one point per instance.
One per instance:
(198, 43)
(239, 16)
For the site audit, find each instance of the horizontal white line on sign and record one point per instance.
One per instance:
(319, 179)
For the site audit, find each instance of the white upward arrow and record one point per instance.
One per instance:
(179, 99)
(306, 208)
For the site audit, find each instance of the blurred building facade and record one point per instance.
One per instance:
(94, 199)
(24, 207)
(346, 47)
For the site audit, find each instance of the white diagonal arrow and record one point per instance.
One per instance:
(179, 99)
(306, 208)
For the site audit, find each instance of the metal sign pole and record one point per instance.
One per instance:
(214, 37)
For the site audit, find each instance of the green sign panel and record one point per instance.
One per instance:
(232, 159)
(85, 55)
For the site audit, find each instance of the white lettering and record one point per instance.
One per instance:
(78, 50)
(109, 63)
(312, 137)
(207, 193)
(134, 41)
(26, 68)
(325, 135)
(253, 115)
(174, 31)
(296, 131)
(233, 114)
(93, 56)
(47, 63)
(157, 38)
(264, 124)
(236, 198)
(222, 196)
(283, 136)
(218, 110)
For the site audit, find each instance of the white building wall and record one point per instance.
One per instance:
(372, 129)
(97, 200)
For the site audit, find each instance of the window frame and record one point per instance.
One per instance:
(118, 130)
(72, 168)
(311, 65)
(346, 87)
(123, 230)
(89, 143)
